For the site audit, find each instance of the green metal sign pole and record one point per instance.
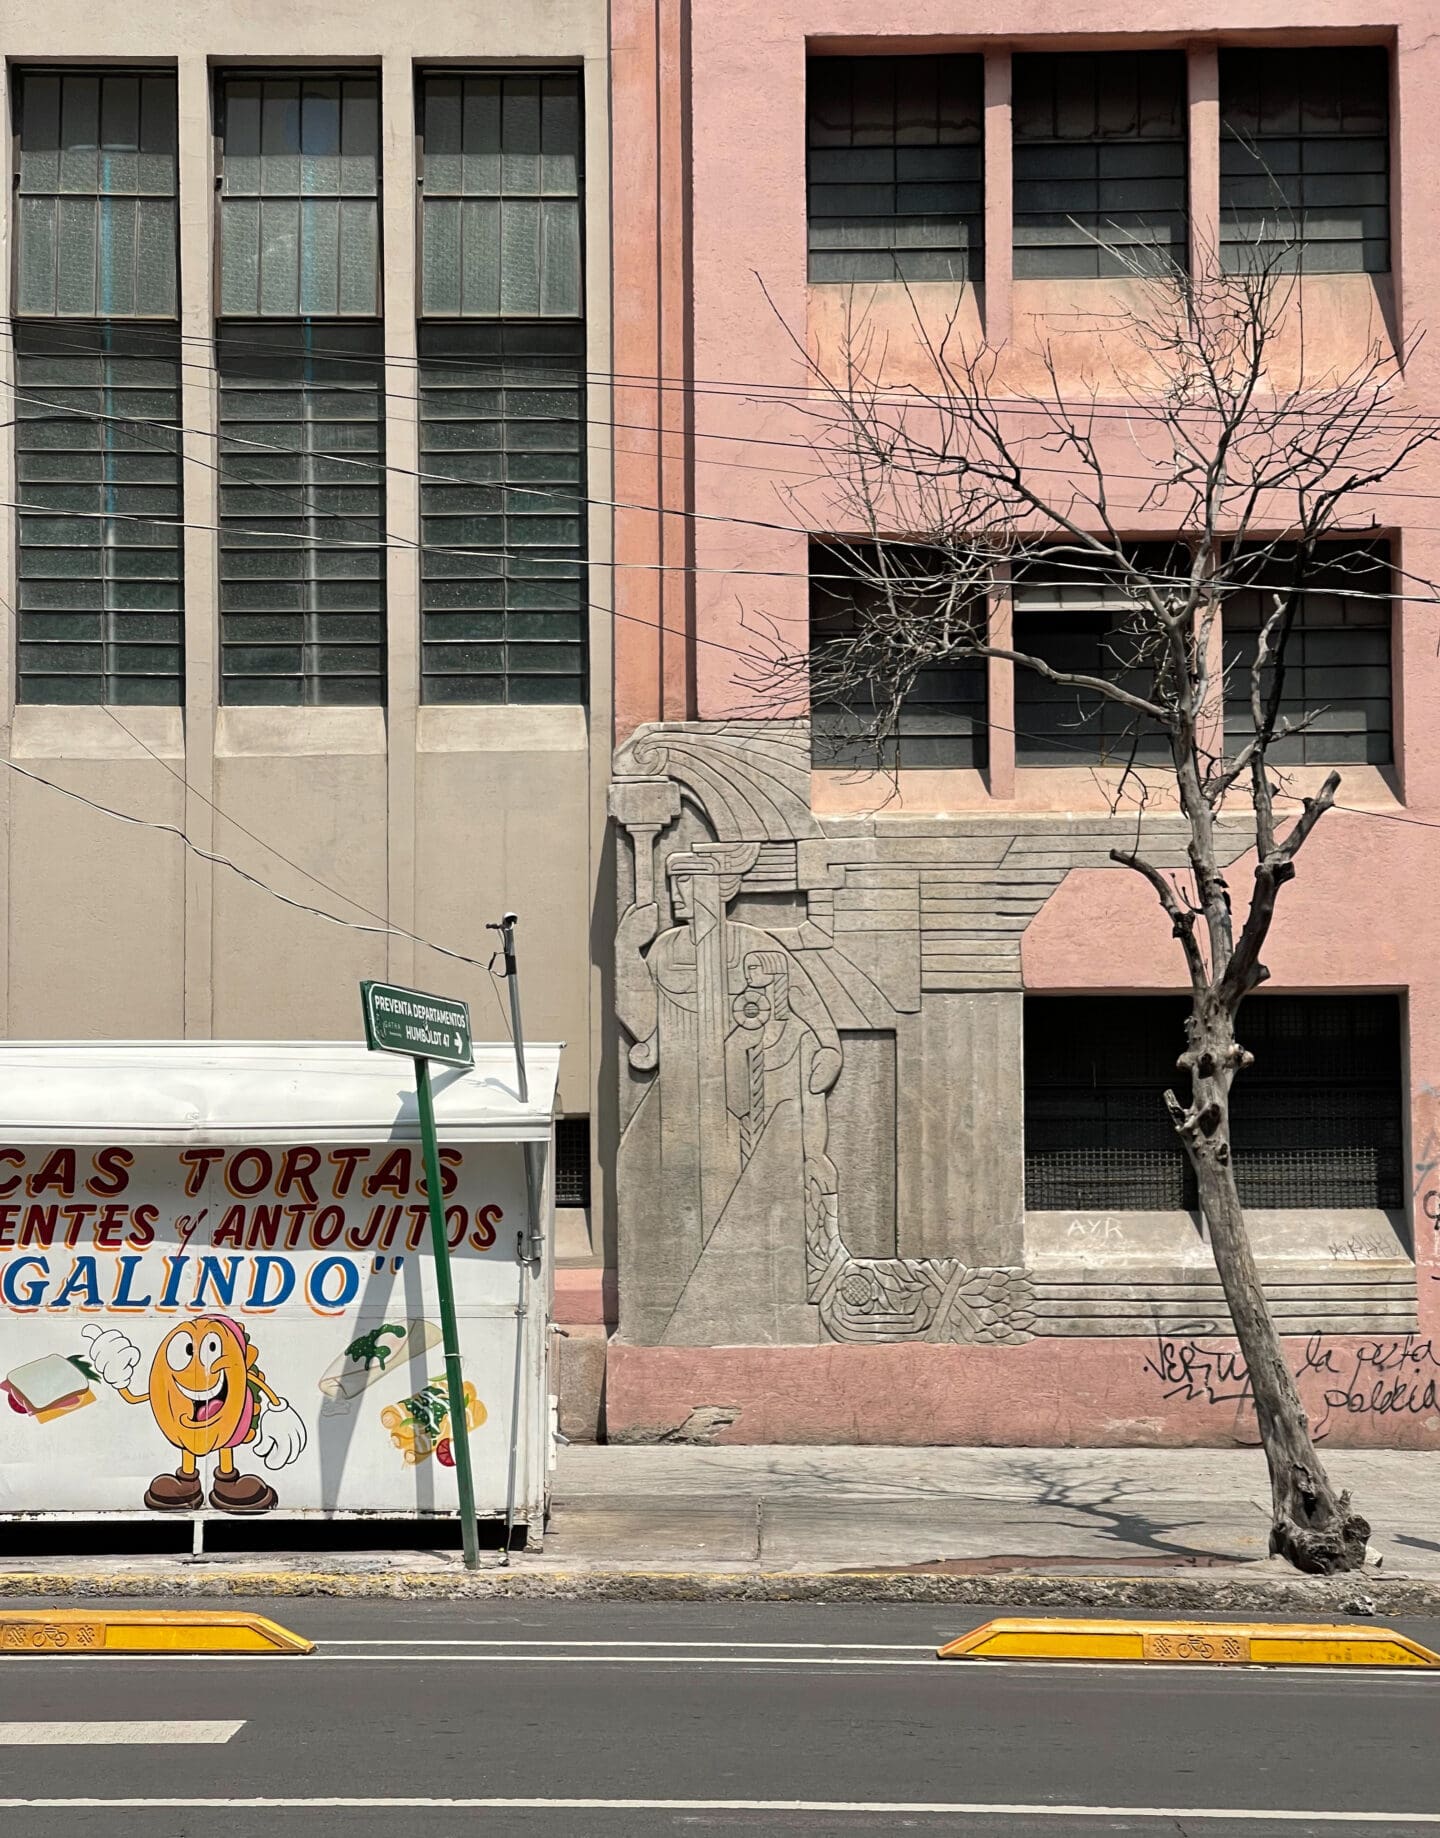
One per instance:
(454, 1378)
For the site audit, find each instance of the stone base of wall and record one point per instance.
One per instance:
(1379, 1392)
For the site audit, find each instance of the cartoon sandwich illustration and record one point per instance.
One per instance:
(208, 1397)
(48, 1388)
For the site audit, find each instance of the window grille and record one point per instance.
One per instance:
(299, 196)
(1316, 1121)
(1081, 617)
(302, 513)
(572, 1161)
(1099, 162)
(98, 455)
(943, 720)
(500, 220)
(1304, 159)
(1336, 660)
(96, 215)
(895, 162)
(502, 439)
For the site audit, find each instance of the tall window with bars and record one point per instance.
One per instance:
(1099, 163)
(1305, 159)
(895, 161)
(1085, 618)
(943, 720)
(97, 408)
(1334, 678)
(300, 351)
(1317, 1120)
(502, 388)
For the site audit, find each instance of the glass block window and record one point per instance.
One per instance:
(1305, 159)
(1099, 162)
(299, 196)
(943, 721)
(500, 196)
(1317, 1121)
(98, 456)
(895, 166)
(1336, 661)
(572, 1161)
(1080, 617)
(96, 187)
(302, 513)
(502, 459)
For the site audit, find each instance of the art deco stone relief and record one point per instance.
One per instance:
(821, 1104)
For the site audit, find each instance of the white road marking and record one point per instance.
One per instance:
(47, 1735)
(689, 1646)
(892, 1808)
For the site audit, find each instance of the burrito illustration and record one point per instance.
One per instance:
(48, 1388)
(370, 1355)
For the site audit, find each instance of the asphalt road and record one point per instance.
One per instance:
(433, 1720)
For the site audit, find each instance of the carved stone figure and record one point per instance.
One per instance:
(753, 944)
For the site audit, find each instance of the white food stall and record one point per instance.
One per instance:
(217, 1288)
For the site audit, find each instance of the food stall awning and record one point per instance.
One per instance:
(240, 1091)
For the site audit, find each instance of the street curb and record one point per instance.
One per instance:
(1195, 1594)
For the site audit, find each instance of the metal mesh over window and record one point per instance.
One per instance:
(1336, 662)
(1304, 159)
(302, 513)
(1099, 156)
(1316, 1121)
(572, 1161)
(98, 455)
(500, 198)
(1083, 618)
(96, 187)
(896, 153)
(300, 196)
(502, 439)
(943, 721)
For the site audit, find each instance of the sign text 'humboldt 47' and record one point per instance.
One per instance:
(422, 1026)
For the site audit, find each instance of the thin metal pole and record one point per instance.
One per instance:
(454, 1378)
(530, 1243)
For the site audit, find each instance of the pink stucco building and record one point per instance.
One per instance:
(897, 1222)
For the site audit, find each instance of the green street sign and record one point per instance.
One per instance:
(420, 1026)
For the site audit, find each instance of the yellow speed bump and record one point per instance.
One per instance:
(1239, 1643)
(105, 1629)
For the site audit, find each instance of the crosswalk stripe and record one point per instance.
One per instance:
(89, 1734)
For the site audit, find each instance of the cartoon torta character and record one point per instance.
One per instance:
(208, 1397)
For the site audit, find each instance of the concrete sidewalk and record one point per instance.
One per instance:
(1155, 1528)
(974, 1511)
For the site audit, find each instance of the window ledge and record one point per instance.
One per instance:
(1340, 1236)
(243, 733)
(515, 728)
(46, 732)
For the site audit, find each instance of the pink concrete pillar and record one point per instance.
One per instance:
(1001, 696)
(999, 211)
(1204, 71)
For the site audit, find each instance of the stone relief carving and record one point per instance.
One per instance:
(732, 1209)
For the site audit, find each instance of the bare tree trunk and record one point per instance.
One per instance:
(1311, 1525)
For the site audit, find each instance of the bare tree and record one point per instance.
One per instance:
(1208, 420)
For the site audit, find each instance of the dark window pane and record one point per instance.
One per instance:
(502, 592)
(1099, 163)
(895, 158)
(1335, 662)
(100, 549)
(302, 554)
(943, 721)
(1086, 619)
(97, 218)
(500, 211)
(1304, 160)
(1316, 1121)
(299, 195)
